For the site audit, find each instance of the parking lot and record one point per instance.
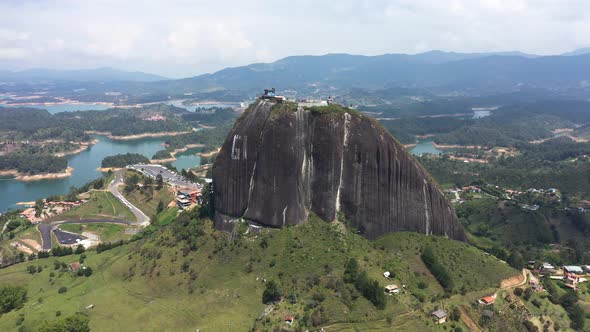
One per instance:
(168, 176)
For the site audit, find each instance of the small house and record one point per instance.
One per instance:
(386, 274)
(547, 266)
(75, 266)
(289, 319)
(440, 316)
(487, 300)
(392, 289)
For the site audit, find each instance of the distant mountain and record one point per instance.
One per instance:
(80, 75)
(580, 51)
(470, 73)
(442, 56)
(434, 72)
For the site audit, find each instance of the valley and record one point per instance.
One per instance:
(430, 208)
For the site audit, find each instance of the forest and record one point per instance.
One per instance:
(32, 164)
(122, 160)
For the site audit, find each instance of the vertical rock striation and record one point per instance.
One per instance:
(280, 162)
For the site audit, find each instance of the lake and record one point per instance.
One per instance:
(425, 147)
(85, 164)
(67, 107)
(73, 107)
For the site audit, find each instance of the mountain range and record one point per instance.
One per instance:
(105, 74)
(439, 72)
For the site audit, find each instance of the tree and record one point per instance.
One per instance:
(271, 293)
(13, 224)
(527, 294)
(39, 207)
(12, 297)
(79, 249)
(207, 209)
(160, 207)
(351, 271)
(515, 260)
(148, 181)
(98, 183)
(438, 270)
(75, 323)
(159, 181)
(131, 183)
(455, 314)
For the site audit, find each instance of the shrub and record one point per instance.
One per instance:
(62, 289)
(11, 298)
(437, 269)
(79, 249)
(75, 323)
(271, 293)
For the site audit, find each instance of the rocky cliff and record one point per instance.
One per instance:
(281, 161)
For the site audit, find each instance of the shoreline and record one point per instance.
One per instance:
(83, 147)
(162, 161)
(455, 146)
(106, 169)
(176, 151)
(137, 136)
(43, 176)
(64, 102)
(210, 153)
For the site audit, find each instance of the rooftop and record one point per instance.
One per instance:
(439, 314)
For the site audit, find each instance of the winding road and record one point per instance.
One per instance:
(46, 228)
(142, 220)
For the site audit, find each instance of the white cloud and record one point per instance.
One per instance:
(187, 37)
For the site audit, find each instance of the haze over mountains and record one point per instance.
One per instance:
(438, 71)
(80, 75)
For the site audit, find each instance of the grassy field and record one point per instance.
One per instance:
(149, 203)
(167, 216)
(107, 232)
(215, 284)
(468, 267)
(101, 204)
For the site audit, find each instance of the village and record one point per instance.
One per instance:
(89, 212)
(570, 276)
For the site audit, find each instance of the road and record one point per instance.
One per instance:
(142, 219)
(168, 176)
(46, 228)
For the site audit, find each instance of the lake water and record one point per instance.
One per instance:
(85, 164)
(425, 147)
(72, 107)
(67, 107)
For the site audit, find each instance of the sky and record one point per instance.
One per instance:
(182, 38)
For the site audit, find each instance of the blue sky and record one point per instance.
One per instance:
(179, 38)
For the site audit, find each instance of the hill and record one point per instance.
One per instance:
(79, 75)
(473, 74)
(187, 276)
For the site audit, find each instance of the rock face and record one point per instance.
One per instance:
(280, 162)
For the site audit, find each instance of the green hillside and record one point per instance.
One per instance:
(187, 276)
